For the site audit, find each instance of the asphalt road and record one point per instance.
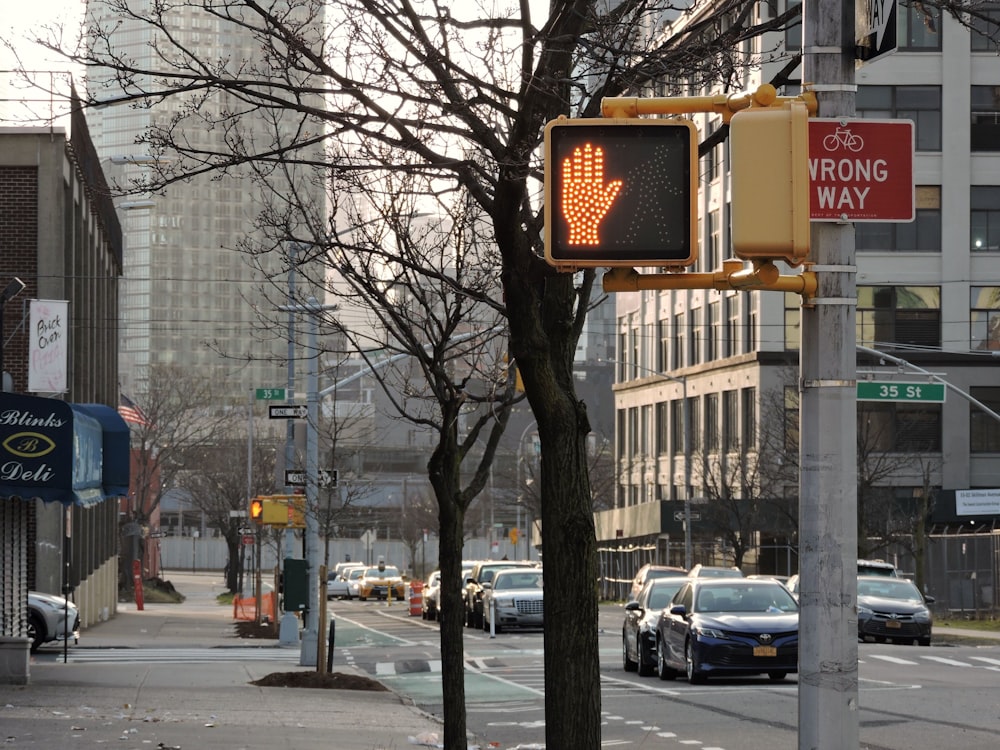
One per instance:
(910, 697)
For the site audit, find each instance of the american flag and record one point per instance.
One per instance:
(131, 412)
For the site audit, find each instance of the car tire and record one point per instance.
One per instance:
(627, 663)
(363, 598)
(662, 670)
(776, 676)
(694, 676)
(924, 641)
(645, 668)
(36, 631)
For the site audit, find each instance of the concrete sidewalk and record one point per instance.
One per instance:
(146, 704)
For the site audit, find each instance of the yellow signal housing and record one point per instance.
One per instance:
(769, 160)
(288, 511)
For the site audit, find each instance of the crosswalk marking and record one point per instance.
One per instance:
(183, 655)
(894, 659)
(949, 662)
(992, 662)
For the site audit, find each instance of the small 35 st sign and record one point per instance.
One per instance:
(860, 170)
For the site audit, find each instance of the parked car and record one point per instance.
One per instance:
(482, 575)
(639, 628)
(51, 618)
(650, 571)
(894, 610)
(792, 584)
(726, 627)
(381, 582)
(429, 607)
(354, 576)
(877, 568)
(714, 571)
(338, 584)
(513, 599)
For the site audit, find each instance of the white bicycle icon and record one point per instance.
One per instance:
(844, 138)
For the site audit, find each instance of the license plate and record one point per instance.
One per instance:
(893, 624)
(765, 651)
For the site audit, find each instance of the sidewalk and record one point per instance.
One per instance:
(146, 704)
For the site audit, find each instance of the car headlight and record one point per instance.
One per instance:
(922, 615)
(504, 601)
(56, 607)
(864, 611)
(702, 632)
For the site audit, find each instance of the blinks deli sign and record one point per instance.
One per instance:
(37, 448)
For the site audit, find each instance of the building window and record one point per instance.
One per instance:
(749, 397)
(923, 234)
(984, 428)
(635, 355)
(662, 427)
(731, 310)
(646, 436)
(918, 27)
(793, 321)
(712, 423)
(713, 246)
(663, 346)
(679, 333)
(677, 430)
(985, 218)
(793, 31)
(889, 315)
(750, 340)
(694, 345)
(730, 421)
(900, 428)
(984, 315)
(623, 350)
(922, 104)
(985, 135)
(711, 321)
(622, 433)
(633, 432)
(694, 404)
(982, 28)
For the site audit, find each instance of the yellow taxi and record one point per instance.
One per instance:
(379, 580)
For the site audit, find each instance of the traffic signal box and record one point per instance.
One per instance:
(288, 511)
(769, 162)
(256, 511)
(621, 192)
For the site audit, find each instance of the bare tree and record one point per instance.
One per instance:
(464, 95)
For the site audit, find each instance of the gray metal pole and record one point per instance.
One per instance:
(290, 394)
(310, 634)
(828, 646)
(686, 411)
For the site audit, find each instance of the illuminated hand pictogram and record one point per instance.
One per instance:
(586, 198)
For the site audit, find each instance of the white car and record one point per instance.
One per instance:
(51, 618)
(513, 599)
(338, 584)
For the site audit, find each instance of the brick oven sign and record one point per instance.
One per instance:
(860, 170)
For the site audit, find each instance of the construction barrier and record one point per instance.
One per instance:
(416, 598)
(245, 607)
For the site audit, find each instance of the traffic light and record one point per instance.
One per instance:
(621, 192)
(769, 160)
(256, 510)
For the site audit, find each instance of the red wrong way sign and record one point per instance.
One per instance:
(860, 170)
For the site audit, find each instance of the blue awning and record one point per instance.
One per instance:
(55, 451)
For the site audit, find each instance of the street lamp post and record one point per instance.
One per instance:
(521, 483)
(12, 289)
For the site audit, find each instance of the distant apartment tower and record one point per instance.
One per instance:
(191, 297)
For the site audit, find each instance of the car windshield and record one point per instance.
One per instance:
(387, 572)
(890, 589)
(355, 573)
(660, 596)
(526, 580)
(756, 597)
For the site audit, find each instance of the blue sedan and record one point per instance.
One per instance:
(728, 627)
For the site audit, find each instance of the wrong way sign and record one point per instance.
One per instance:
(860, 170)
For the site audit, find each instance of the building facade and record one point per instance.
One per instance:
(928, 295)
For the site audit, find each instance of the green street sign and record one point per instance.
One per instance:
(874, 390)
(270, 394)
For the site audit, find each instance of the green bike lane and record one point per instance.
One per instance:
(407, 660)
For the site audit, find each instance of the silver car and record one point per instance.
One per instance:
(51, 618)
(513, 599)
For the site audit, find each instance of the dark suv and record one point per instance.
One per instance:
(480, 577)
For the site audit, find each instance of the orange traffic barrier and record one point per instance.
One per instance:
(416, 598)
(245, 607)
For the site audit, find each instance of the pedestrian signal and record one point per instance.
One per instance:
(621, 192)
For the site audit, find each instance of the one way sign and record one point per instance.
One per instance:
(287, 411)
(297, 478)
(874, 28)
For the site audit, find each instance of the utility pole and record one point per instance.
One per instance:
(828, 641)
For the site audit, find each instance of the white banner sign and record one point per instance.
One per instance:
(48, 346)
(977, 502)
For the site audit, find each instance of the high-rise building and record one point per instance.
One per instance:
(193, 296)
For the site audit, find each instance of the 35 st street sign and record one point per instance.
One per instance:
(874, 390)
